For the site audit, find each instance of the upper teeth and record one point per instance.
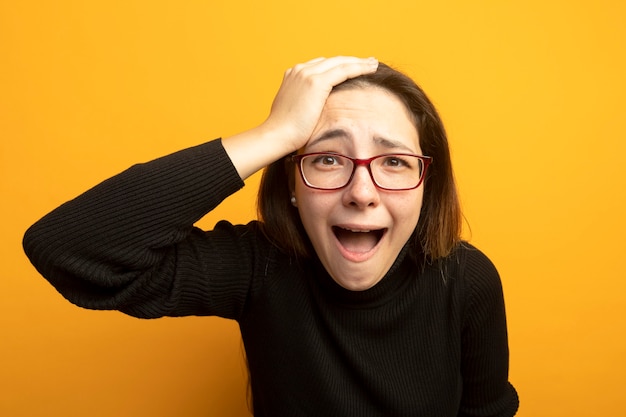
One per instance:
(359, 231)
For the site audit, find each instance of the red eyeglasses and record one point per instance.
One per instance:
(332, 171)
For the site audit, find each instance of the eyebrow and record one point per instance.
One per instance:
(344, 134)
(331, 134)
(392, 144)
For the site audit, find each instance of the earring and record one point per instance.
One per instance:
(293, 201)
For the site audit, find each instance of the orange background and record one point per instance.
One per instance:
(532, 94)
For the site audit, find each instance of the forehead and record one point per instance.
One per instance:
(366, 113)
(365, 97)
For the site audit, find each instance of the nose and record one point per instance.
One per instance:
(361, 191)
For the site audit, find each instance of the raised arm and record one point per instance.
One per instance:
(120, 243)
(129, 242)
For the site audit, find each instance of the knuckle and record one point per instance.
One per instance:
(298, 67)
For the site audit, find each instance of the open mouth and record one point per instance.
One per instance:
(359, 241)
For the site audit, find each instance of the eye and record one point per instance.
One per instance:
(395, 161)
(328, 160)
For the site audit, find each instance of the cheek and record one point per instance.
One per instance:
(310, 204)
(312, 199)
(407, 210)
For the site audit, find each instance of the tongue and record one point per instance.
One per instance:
(357, 241)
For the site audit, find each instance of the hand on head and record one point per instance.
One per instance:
(299, 102)
(295, 111)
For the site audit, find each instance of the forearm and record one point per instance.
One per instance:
(253, 150)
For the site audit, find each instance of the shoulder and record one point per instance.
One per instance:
(248, 235)
(465, 261)
(480, 282)
(475, 272)
(246, 244)
(473, 261)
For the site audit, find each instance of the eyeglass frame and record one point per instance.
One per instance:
(356, 162)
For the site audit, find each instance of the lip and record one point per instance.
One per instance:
(359, 257)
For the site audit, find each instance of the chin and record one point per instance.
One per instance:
(357, 280)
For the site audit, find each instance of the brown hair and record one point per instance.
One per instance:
(439, 228)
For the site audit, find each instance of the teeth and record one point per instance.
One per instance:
(359, 231)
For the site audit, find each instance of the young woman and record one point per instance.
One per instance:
(354, 293)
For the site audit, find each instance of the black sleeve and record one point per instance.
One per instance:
(485, 353)
(129, 243)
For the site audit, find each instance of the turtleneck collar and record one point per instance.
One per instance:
(398, 275)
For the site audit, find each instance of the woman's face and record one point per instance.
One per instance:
(358, 231)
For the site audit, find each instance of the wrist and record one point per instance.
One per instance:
(254, 149)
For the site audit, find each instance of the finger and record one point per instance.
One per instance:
(297, 67)
(315, 60)
(341, 70)
(321, 65)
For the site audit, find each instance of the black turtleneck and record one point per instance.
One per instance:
(427, 340)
